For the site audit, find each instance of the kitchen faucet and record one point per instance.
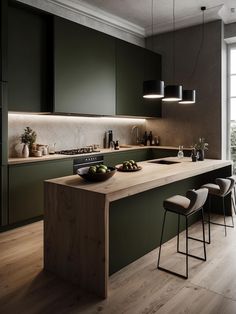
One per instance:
(135, 134)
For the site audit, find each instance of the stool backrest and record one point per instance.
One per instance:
(225, 185)
(232, 184)
(197, 198)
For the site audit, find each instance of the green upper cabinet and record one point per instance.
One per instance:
(134, 65)
(84, 70)
(29, 60)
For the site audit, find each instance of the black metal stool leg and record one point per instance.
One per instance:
(223, 203)
(186, 253)
(186, 223)
(178, 233)
(196, 239)
(159, 255)
(234, 200)
(232, 203)
(224, 224)
(162, 231)
(209, 219)
(203, 235)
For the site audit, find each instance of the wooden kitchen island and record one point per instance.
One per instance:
(91, 230)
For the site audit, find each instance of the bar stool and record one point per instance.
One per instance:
(233, 195)
(185, 206)
(221, 189)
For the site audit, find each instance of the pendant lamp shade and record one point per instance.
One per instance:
(189, 96)
(153, 89)
(173, 93)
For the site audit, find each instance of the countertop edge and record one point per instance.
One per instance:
(20, 160)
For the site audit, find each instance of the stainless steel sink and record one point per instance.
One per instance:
(164, 162)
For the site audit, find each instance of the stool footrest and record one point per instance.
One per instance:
(219, 224)
(194, 256)
(172, 272)
(199, 240)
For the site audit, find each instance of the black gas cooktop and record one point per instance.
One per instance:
(77, 151)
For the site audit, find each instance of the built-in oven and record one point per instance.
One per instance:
(87, 161)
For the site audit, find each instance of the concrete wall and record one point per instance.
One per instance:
(70, 132)
(230, 33)
(183, 124)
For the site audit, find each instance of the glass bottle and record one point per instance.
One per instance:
(145, 138)
(150, 138)
(117, 146)
(180, 152)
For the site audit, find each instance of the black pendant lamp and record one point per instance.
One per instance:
(173, 92)
(153, 88)
(189, 95)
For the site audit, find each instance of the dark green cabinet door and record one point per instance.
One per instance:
(134, 65)
(112, 159)
(84, 70)
(162, 153)
(26, 187)
(152, 71)
(29, 60)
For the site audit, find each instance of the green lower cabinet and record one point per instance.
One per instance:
(162, 153)
(112, 159)
(117, 157)
(26, 187)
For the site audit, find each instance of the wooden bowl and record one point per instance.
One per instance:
(95, 177)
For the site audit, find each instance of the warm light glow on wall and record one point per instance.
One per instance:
(60, 118)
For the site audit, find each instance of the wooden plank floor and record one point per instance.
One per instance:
(138, 288)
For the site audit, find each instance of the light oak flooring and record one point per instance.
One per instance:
(138, 288)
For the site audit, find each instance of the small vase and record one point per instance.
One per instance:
(25, 151)
(201, 154)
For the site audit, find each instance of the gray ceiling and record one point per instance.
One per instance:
(187, 12)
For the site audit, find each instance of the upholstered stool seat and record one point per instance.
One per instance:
(212, 188)
(177, 203)
(185, 206)
(221, 188)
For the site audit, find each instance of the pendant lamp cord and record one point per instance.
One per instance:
(152, 27)
(173, 42)
(201, 43)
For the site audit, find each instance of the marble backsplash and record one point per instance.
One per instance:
(70, 132)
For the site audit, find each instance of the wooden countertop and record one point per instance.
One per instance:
(152, 175)
(19, 160)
